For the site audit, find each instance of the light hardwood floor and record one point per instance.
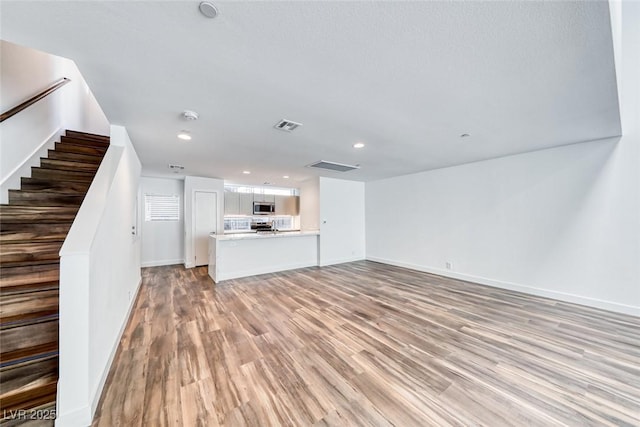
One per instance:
(366, 344)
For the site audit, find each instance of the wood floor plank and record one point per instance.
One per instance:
(366, 344)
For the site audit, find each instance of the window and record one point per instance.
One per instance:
(160, 207)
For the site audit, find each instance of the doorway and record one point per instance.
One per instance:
(205, 220)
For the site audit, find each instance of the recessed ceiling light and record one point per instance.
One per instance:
(185, 135)
(358, 145)
(208, 9)
(465, 135)
(285, 176)
(246, 172)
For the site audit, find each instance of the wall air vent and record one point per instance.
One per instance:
(339, 167)
(287, 125)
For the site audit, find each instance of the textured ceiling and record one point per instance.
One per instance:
(406, 78)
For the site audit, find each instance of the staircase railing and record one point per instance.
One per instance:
(15, 110)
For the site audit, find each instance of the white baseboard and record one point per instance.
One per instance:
(77, 418)
(561, 296)
(162, 262)
(103, 378)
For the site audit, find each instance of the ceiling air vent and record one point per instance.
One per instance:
(175, 168)
(339, 167)
(287, 125)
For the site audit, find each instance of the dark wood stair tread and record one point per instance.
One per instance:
(44, 198)
(27, 253)
(68, 165)
(78, 134)
(18, 337)
(74, 157)
(43, 276)
(28, 354)
(40, 214)
(80, 149)
(62, 174)
(27, 306)
(89, 142)
(54, 185)
(22, 232)
(29, 384)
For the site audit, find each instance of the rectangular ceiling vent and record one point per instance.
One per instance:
(333, 166)
(176, 167)
(287, 125)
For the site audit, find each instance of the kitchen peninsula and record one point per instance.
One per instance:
(233, 256)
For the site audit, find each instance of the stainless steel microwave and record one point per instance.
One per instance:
(264, 208)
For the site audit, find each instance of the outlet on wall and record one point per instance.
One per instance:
(448, 265)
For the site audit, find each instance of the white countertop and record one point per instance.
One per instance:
(276, 235)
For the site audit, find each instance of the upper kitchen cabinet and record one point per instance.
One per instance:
(264, 198)
(231, 203)
(287, 205)
(245, 206)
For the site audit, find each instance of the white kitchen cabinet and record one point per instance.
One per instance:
(245, 205)
(231, 203)
(264, 198)
(287, 205)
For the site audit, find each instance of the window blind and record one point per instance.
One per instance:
(160, 207)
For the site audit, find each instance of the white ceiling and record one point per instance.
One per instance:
(406, 78)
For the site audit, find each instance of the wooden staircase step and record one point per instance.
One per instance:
(96, 137)
(28, 353)
(31, 232)
(88, 142)
(27, 306)
(43, 198)
(74, 157)
(29, 385)
(29, 253)
(68, 165)
(39, 214)
(28, 278)
(55, 186)
(18, 339)
(62, 174)
(80, 149)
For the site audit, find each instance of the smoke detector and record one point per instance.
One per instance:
(190, 115)
(208, 9)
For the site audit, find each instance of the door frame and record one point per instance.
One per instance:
(193, 219)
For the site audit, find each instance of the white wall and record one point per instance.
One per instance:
(342, 221)
(25, 137)
(556, 223)
(562, 223)
(162, 241)
(191, 185)
(310, 205)
(99, 278)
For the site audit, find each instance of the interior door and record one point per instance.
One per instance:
(205, 222)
